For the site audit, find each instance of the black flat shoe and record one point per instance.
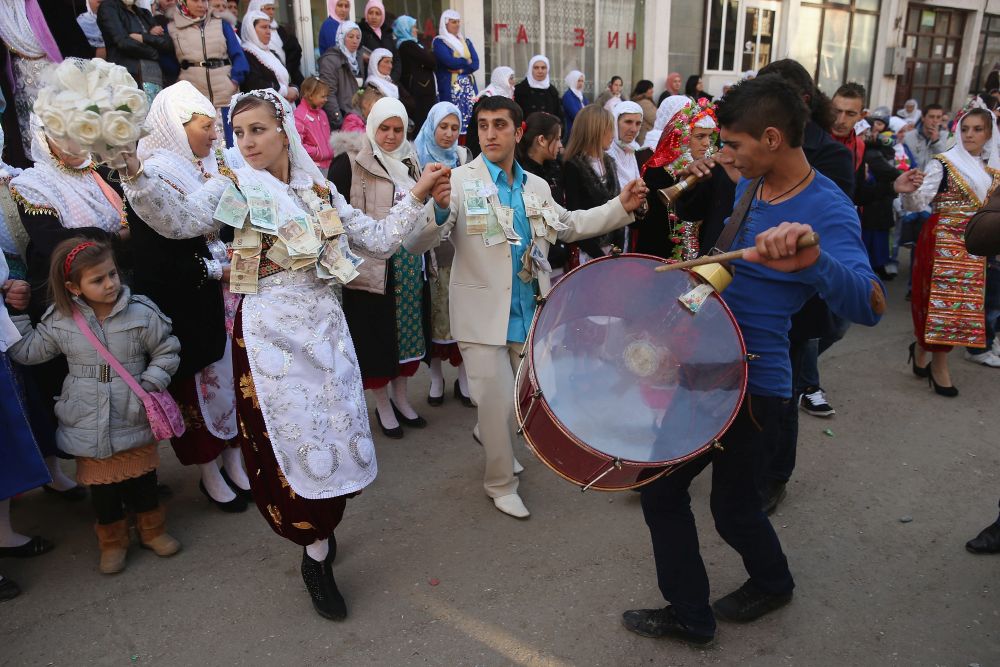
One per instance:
(435, 401)
(8, 589)
(919, 371)
(234, 506)
(940, 390)
(317, 584)
(394, 433)
(74, 495)
(662, 623)
(466, 401)
(246, 494)
(986, 542)
(419, 422)
(748, 603)
(36, 546)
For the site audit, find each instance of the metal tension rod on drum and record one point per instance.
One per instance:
(615, 465)
(527, 413)
(807, 241)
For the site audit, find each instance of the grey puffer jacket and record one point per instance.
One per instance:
(98, 414)
(336, 73)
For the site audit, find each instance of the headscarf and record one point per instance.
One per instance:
(263, 53)
(673, 150)
(352, 57)
(668, 109)
(173, 107)
(75, 194)
(398, 171)
(24, 30)
(571, 80)
(455, 42)
(426, 145)
(500, 83)
(623, 154)
(376, 78)
(896, 123)
(402, 30)
(88, 23)
(276, 45)
(544, 83)
(303, 172)
(911, 117)
(369, 5)
(971, 167)
(331, 10)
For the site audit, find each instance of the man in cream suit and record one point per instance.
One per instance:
(502, 220)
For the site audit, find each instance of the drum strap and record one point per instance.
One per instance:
(736, 222)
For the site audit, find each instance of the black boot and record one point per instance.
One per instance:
(987, 541)
(337, 604)
(315, 579)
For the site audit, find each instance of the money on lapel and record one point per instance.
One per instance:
(475, 224)
(475, 203)
(232, 208)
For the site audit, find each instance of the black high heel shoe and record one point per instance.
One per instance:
(466, 401)
(950, 392)
(419, 422)
(435, 401)
(919, 371)
(394, 433)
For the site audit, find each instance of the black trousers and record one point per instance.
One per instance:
(736, 507)
(137, 495)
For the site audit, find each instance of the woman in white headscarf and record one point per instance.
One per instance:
(379, 68)
(340, 68)
(573, 100)
(910, 112)
(955, 185)
(628, 122)
(183, 266)
(536, 92)
(501, 83)
(457, 63)
(304, 429)
(387, 324)
(266, 68)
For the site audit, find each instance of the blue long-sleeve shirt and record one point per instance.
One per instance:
(447, 62)
(764, 300)
(522, 294)
(328, 34)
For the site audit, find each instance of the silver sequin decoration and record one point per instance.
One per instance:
(307, 461)
(355, 449)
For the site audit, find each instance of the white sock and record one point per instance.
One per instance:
(232, 459)
(8, 537)
(437, 378)
(60, 482)
(385, 414)
(400, 398)
(215, 484)
(463, 380)
(318, 550)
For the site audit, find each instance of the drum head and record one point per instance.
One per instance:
(629, 371)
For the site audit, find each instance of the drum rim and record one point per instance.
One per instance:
(544, 404)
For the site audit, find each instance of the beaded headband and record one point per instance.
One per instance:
(267, 95)
(68, 264)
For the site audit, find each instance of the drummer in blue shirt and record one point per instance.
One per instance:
(762, 122)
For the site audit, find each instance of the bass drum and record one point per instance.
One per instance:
(620, 382)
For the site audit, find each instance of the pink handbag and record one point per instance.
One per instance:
(164, 416)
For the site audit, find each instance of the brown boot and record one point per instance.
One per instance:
(153, 532)
(112, 539)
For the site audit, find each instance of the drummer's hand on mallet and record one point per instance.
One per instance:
(633, 195)
(702, 168)
(777, 248)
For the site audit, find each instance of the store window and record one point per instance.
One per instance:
(935, 39)
(572, 34)
(987, 55)
(741, 34)
(835, 41)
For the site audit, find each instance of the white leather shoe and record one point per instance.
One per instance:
(518, 468)
(512, 505)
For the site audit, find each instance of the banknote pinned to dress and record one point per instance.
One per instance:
(232, 208)
(243, 274)
(299, 236)
(330, 223)
(263, 209)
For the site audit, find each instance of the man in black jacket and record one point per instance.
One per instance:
(135, 41)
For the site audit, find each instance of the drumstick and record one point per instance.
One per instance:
(807, 241)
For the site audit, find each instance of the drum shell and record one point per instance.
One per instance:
(568, 457)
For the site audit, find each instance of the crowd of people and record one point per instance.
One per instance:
(440, 214)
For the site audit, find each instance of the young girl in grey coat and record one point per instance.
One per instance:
(101, 420)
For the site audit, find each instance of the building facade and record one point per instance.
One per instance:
(932, 50)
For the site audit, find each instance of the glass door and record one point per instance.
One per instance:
(760, 22)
